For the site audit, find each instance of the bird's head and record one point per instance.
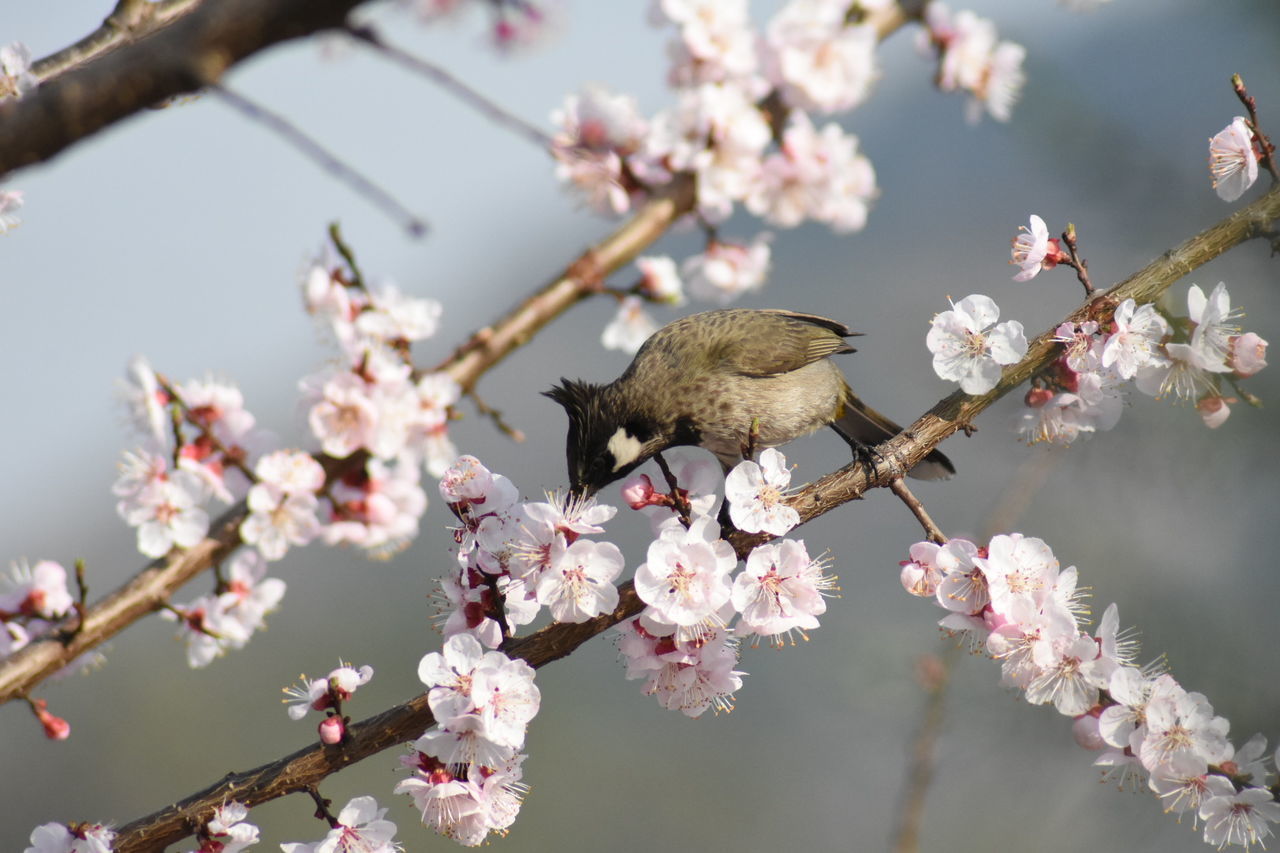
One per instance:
(606, 439)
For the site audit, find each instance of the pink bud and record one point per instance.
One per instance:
(637, 491)
(1037, 397)
(55, 728)
(1247, 354)
(332, 730)
(1085, 731)
(1214, 411)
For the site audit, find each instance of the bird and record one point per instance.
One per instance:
(732, 381)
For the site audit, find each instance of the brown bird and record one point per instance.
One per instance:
(729, 381)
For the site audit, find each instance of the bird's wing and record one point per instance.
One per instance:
(783, 341)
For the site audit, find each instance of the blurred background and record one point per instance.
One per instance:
(180, 235)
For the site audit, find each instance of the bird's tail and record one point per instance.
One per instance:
(863, 427)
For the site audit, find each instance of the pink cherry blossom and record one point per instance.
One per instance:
(969, 347)
(1233, 159)
(755, 492)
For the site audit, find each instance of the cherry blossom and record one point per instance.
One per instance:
(282, 505)
(781, 590)
(969, 347)
(58, 838)
(1214, 327)
(1034, 250)
(660, 279)
(727, 270)
(228, 830)
(716, 40)
(1237, 817)
(755, 492)
(360, 826)
(10, 201)
(1134, 342)
(821, 62)
(319, 694)
(15, 66)
(598, 131)
(685, 579)
(38, 591)
(630, 327)
(1247, 354)
(815, 174)
(167, 512)
(1233, 159)
(578, 582)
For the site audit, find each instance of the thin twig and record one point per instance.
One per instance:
(934, 672)
(454, 86)
(324, 158)
(679, 497)
(1079, 264)
(129, 21)
(899, 487)
(339, 244)
(495, 415)
(1266, 155)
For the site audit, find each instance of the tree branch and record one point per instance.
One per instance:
(129, 21)
(120, 75)
(405, 722)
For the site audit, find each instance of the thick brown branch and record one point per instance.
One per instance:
(403, 723)
(959, 410)
(129, 21)
(20, 672)
(308, 766)
(184, 56)
(493, 343)
(146, 593)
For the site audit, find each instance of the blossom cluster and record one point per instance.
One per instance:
(1190, 358)
(16, 77)
(372, 403)
(360, 826)
(465, 772)
(73, 838)
(1013, 600)
(972, 59)
(327, 694)
(513, 23)
(684, 644)
(228, 831)
(32, 600)
(199, 442)
(515, 558)
(742, 126)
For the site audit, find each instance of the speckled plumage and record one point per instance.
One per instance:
(705, 379)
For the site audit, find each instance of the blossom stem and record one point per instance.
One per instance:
(1266, 151)
(899, 488)
(1079, 264)
(453, 86)
(326, 159)
(344, 249)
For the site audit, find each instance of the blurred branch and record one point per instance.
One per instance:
(403, 723)
(324, 158)
(306, 767)
(129, 21)
(151, 588)
(453, 85)
(116, 72)
(146, 593)
(958, 411)
(933, 672)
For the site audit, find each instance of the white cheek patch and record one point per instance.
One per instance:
(624, 447)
